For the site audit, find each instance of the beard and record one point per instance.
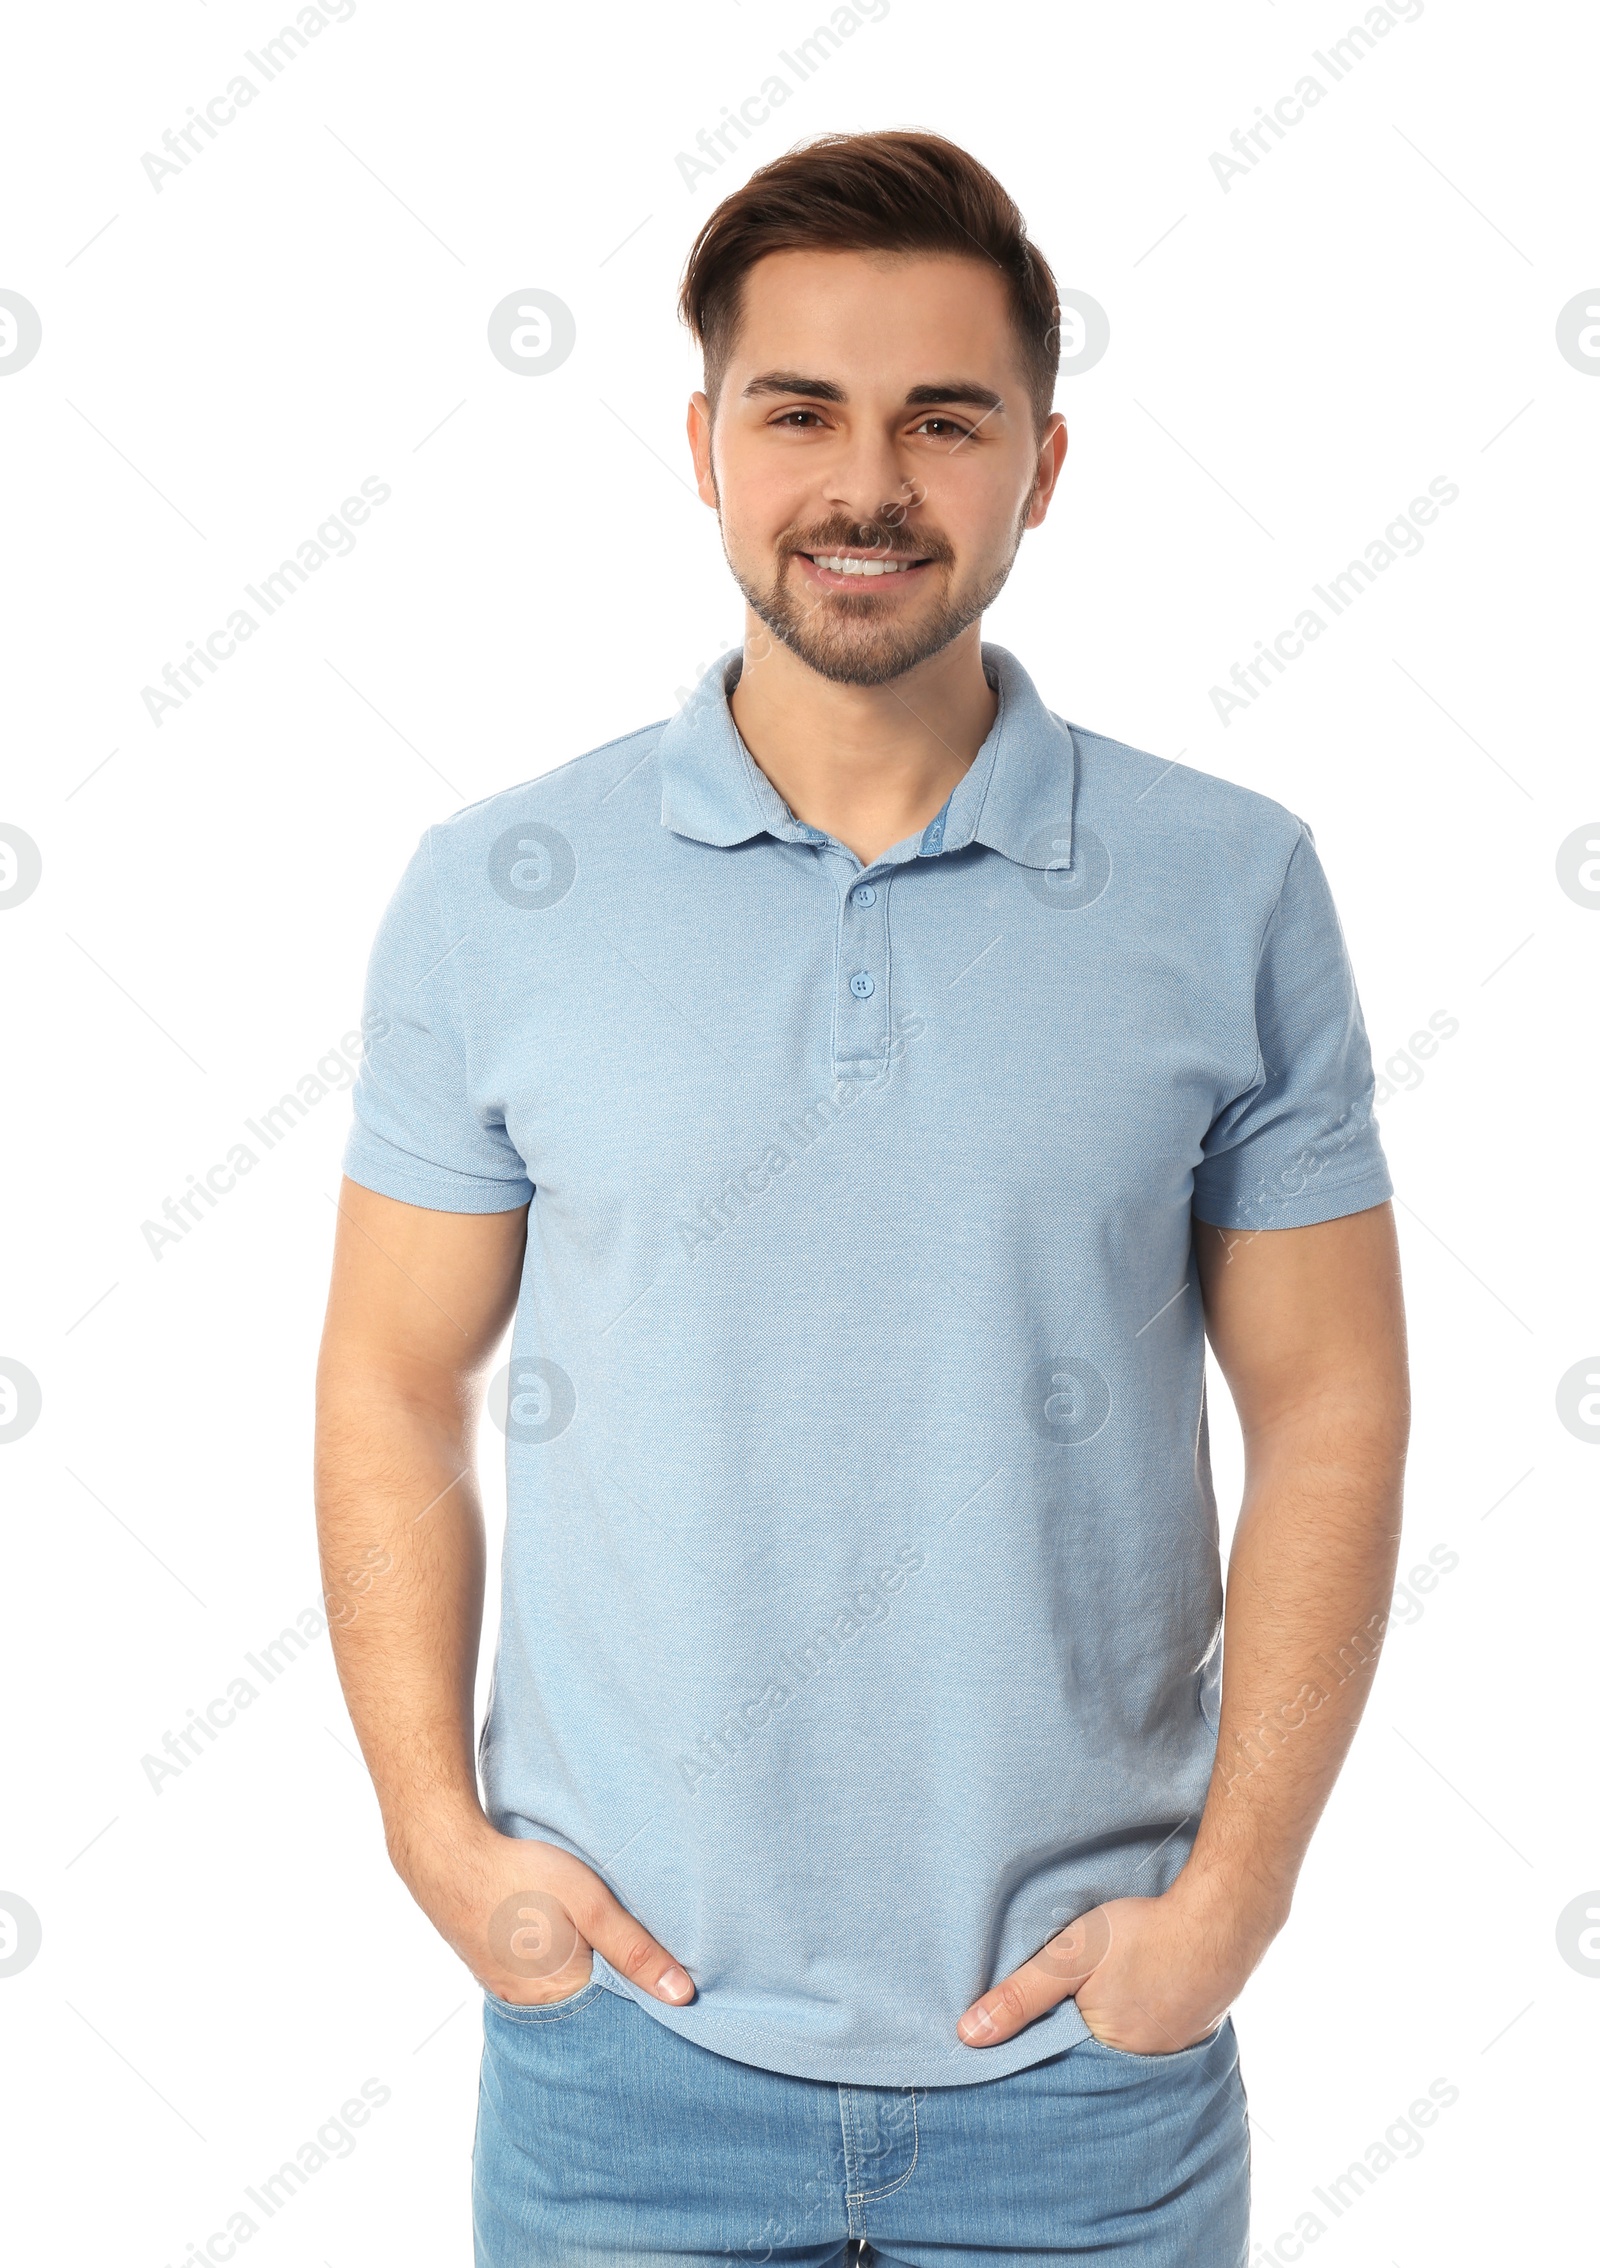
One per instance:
(860, 638)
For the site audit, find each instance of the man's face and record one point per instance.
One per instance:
(872, 458)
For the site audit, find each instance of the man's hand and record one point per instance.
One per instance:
(526, 1917)
(417, 1307)
(1150, 1975)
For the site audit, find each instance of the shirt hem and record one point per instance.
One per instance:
(1308, 1208)
(956, 2066)
(371, 1162)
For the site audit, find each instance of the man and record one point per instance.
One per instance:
(866, 1091)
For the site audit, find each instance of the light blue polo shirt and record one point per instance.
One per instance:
(861, 1599)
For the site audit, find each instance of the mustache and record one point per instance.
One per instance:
(879, 537)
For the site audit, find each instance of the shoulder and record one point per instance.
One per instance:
(581, 793)
(1177, 812)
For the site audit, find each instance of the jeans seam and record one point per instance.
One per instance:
(552, 2011)
(846, 2128)
(875, 2196)
(1164, 2055)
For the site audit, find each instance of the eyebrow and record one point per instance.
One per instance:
(951, 390)
(955, 390)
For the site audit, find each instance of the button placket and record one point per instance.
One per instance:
(861, 989)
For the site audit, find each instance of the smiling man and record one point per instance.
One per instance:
(866, 1092)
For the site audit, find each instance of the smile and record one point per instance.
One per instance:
(843, 566)
(864, 566)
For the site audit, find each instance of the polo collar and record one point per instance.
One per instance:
(1016, 796)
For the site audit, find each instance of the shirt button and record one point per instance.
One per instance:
(862, 985)
(866, 895)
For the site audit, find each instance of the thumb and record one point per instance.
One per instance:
(1054, 1974)
(629, 1947)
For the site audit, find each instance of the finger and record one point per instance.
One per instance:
(1053, 1974)
(630, 1948)
(1002, 2012)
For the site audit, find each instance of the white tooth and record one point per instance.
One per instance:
(871, 567)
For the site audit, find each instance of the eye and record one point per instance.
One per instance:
(949, 428)
(790, 418)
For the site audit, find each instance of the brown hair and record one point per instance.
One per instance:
(889, 192)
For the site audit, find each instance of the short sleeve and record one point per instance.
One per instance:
(419, 1133)
(1300, 1145)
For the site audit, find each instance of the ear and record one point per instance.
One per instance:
(1052, 455)
(699, 429)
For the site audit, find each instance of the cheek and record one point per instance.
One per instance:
(982, 506)
(984, 533)
(760, 495)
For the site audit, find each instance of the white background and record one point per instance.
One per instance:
(1292, 359)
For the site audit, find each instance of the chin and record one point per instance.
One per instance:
(867, 661)
(860, 645)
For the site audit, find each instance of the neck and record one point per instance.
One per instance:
(868, 764)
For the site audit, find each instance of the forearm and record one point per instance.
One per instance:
(1309, 1583)
(400, 1529)
(417, 1306)
(1308, 1327)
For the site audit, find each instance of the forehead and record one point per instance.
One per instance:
(892, 319)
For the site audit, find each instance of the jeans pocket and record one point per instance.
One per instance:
(545, 2011)
(1172, 2057)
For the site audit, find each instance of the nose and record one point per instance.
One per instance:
(869, 481)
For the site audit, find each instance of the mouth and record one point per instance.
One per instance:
(846, 570)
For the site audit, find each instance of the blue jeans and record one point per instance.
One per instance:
(605, 2140)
